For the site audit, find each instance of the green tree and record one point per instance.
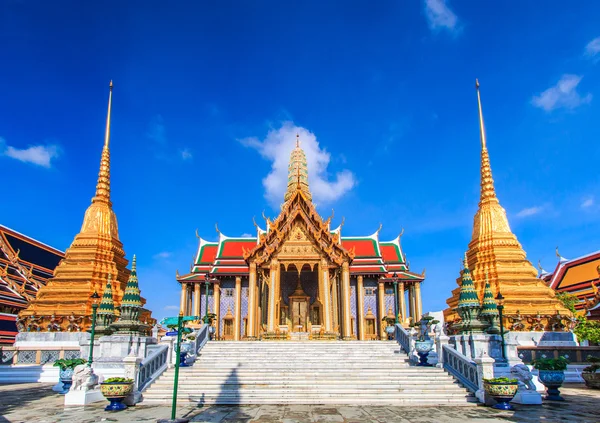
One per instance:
(568, 300)
(587, 330)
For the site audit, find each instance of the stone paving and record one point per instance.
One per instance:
(38, 404)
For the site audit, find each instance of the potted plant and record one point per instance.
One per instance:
(116, 389)
(65, 373)
(424, 344)
(552, 375)
(590, 374)
(502, 389)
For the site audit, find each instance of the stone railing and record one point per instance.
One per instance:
(152, 366)
(404, 339)
(574, 354)
(36, 355)
(202, 337)
(461, 367)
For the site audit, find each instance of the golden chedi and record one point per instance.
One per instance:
(95, 255)
(494, 250)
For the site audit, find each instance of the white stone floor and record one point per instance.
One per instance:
(37, 403)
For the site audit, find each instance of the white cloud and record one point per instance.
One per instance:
(40, 155)
(162, 255)
(172, 307)
(186, 154)
(593, 47)
(277, 146)
(530, 211)
(439, 15)
(247, 235)
(587, 203)
(562, 95)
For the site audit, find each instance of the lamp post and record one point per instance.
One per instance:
(500, 301)
(95, 300)
(395, 282)
(206, 286)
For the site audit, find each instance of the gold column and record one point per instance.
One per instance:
(324, 293)
(238, 308)
(217, 300)
(197, 298)
(418, 300)
(402, 302)
(382, 310)
(188, 306)
(361, 301)
(251, 300)
(273, 294)
(346, 301)
(411, 302)
(256, 310)
(334, 300)
(183, 298)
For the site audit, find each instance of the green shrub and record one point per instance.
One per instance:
(595, 364)
(65, 364)
(118, 380)
(559, 363)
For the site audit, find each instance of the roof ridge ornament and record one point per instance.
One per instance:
(103, 184)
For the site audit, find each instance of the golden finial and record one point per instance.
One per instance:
(197, 236)
(103, 185)
(481, 126)
(217, 228)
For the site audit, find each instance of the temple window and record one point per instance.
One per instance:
(389, 291)
(227, 327)
(229, 292)
(369, 291)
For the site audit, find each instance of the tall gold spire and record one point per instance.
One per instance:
(495, 251)
(103, 185)
(487, 182)
(297, 173)
(95, 254)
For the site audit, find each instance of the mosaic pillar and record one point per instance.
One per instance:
(346, 301)
(252, 301)
(334, 300)
(238, 308)
(183, 299)
(188, 303)
(272, 303)
(197, 298)
(382, 311)
(418, 300)
(360, 293)
(402, 302)
(324, 293)
(411, 303)
(217, 301)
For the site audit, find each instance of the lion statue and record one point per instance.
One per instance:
(524, 376)
(84, 378)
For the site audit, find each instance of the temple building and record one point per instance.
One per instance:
(495, 254)
(95, 255)
(25, 266)
(580, 277)
(300, 279)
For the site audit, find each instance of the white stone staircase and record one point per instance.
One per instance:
(311, 372)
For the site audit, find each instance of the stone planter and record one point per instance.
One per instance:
(592, 380)
(552, 380)
(423, 348)
(116, 392)
(186, 348)
(66, 377)
(502, 392)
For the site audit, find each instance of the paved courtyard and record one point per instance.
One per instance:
(37, 403)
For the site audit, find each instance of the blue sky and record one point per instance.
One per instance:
(209, 95)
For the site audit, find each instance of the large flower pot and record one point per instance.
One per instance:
(186, 348)
(116, 392)
(66, 377)
(552, 380)
(423, 348)
(592, 380)
(502, 392)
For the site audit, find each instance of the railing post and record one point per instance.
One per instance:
(132, 370)
(440, 341)
(485, 370)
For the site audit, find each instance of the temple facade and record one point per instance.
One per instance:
(25, 267)
(300, 279)
(495, 256)
(95, 257)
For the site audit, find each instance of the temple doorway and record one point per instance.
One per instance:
(300, 310)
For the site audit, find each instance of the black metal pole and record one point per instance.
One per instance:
(500, 308)
(91, 357)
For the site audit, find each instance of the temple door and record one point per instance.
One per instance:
(299, 314)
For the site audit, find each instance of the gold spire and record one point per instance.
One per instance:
(495, 254)
(103, 185)
(297, 173)
(487, 182)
